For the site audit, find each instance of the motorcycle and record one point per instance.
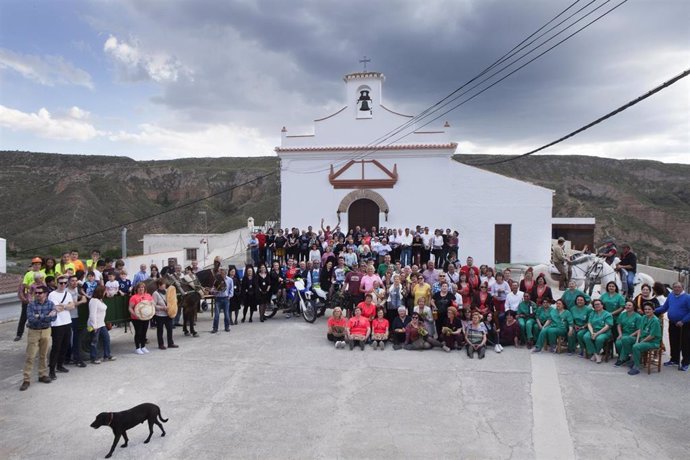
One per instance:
(296, 301)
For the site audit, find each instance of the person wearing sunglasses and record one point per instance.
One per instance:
(40, 313)
(61, 326)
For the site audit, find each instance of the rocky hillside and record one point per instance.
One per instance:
(48, 198)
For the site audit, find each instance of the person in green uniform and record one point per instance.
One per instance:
(648, 336)
(628, 323)
(543, 320)
(570, 294)
(560, 326)
(527, 320)
(599, 327)
(580, 313)
(613, 301)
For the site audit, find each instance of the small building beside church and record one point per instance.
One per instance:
(350, 170)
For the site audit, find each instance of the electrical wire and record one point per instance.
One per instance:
(620, 109)
(356, 157)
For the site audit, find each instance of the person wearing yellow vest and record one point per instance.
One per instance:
(65, 264)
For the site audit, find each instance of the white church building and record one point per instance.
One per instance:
(343, 171)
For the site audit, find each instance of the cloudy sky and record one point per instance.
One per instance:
(165, 79)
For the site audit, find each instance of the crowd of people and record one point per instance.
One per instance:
(404, 286)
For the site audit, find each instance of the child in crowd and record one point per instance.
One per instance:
(112, 287)
(90, 284)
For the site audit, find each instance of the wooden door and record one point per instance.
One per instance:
(502, 243)
(364, 213)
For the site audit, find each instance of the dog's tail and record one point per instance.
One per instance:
(160, 417)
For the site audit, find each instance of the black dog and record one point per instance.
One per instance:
(120, 422)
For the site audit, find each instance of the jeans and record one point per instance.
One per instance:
(630, 278)
(224, 304)
(102, 333)
(76, 343)
(406, 256)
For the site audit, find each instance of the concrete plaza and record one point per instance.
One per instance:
(280, 390)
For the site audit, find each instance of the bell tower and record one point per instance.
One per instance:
(363, 93)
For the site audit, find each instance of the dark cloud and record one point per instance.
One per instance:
(268, 63)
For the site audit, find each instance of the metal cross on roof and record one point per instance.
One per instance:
(364, 61)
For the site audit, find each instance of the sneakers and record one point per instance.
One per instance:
(447, 349)
(500, 347)
(214, 331)
(382, 345)
(110, 358)
(374, 344)
(597, 358)
(337, 344)
(62, 369)
(536, 350)
(683, 368)
(593, 358)
(138, 351)
(25, 386)
(670, 362)
(95, 361)
(145, 350)
(497, 348)
(52, 376)
(633, 371)
(361, 345)
(618, 363)
(552, 349)
(81, 364)
(352, 344)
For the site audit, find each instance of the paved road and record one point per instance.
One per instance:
(279, 390)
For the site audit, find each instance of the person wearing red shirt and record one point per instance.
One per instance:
(140, 326)
(337, 328)
(368, 307)
(358, 329)
(379, 330)
(470, 266)
(261, 236)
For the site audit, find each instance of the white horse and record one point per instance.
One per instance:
(588, 270)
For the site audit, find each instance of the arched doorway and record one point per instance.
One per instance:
(363, 212)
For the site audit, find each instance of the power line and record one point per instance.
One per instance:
(151, 216)
(516, 70)
(369, 152)
(595, 122)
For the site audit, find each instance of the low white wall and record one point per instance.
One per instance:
(160, 259)
(659, 274)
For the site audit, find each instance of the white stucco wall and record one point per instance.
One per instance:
(219, 244)
(432, 190)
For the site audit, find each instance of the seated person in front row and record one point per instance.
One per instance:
(451, 330)
(379, 330)
(398, 328)
(337, 328)
(417, 336)
(358, 329)
(476, 336)
(510, 332)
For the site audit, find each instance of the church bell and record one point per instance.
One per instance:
(364, 101)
